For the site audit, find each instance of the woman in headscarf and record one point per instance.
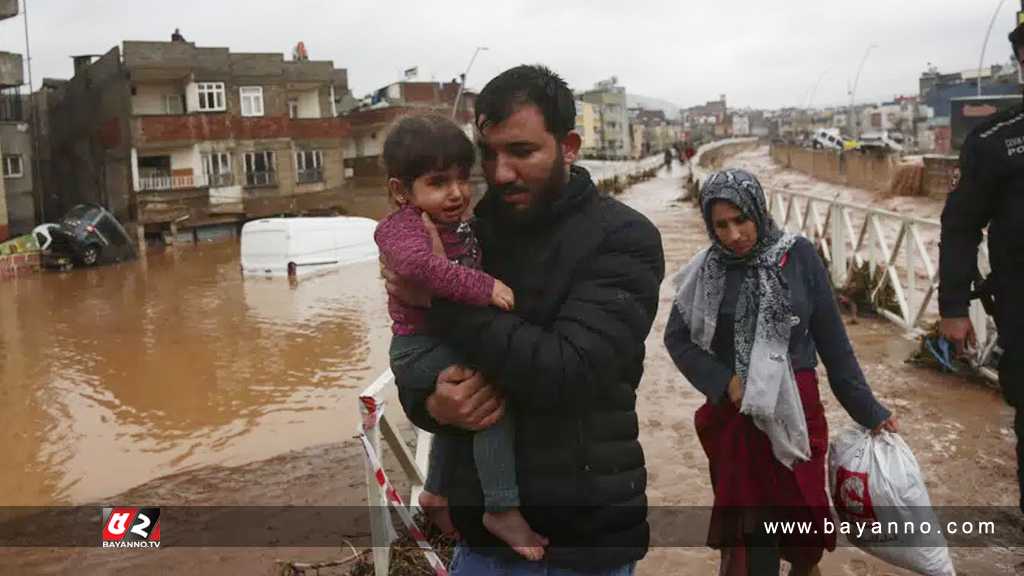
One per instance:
(752, 313)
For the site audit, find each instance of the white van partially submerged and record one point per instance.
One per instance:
(303, 246)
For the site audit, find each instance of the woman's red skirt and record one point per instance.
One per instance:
(752, 487)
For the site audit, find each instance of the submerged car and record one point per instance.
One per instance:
(884, 140)
(298, 247)
(86, 236)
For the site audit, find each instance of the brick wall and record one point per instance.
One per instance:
(19, 264)
(192, 127)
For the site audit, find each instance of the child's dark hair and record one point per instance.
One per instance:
(421, 143)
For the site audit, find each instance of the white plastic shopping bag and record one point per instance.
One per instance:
(882, 503)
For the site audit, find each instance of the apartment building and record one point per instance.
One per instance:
(17, 206)
(610, 99)
(371, 121)
(588, 125)
(171, 135)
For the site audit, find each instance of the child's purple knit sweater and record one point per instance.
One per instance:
(405, 244)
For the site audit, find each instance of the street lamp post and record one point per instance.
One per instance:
(462, 84)
(853, 90)
(984, 45)
(814, 91)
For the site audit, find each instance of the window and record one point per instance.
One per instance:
(252, 100)
(217, 168)
(259, 169)
(293, 107)
(13, 167)
(309, 166)
(211, 96)
(172, 104)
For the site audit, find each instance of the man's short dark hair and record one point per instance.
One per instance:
(421, 143)
(528, 84)
(1017, 39)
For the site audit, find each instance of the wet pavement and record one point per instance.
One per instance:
(244, 373)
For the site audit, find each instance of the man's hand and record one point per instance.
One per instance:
(502, 296)
(465, 400)
(735, 391)
(402, 289)
(960, 332)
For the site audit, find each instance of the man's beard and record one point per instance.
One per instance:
(541, 203)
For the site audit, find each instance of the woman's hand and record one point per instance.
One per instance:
(890, 425)
(735, 391)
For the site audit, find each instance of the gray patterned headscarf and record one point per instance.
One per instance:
(764, 314)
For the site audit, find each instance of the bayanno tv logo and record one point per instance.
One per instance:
(128, 527)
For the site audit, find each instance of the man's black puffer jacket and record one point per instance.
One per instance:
(569, 358)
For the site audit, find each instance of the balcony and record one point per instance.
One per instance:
(262, 178)
(160, 182)
(310, 176)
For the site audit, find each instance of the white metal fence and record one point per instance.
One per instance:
(413, 465)
(902, 250)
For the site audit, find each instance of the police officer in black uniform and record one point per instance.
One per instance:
(990, 192)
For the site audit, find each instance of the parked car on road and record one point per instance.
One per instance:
(86, 236)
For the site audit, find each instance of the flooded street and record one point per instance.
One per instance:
(114, 377)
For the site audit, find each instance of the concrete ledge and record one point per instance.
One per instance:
(12, 71)
(868, 171)
(8, 9)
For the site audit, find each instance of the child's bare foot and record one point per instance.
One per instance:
(436, 509)
(511, 527)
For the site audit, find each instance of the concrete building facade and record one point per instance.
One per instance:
(588, 125)
(171, 135)
(936, 90)
(370, 123)
(17, 212)
(610, 99)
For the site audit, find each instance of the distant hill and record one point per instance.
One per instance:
(671, 110)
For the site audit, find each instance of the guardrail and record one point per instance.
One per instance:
(850, 235)
(701, 172)
(374, 425)
(601, 170)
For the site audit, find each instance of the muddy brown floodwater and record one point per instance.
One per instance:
(116, 375)
(112, 378)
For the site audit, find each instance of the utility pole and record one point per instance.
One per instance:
(37, 183)
(462, 84)
(988, 33)
(853, 90)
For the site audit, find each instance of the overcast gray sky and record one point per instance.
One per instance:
(759, 53)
